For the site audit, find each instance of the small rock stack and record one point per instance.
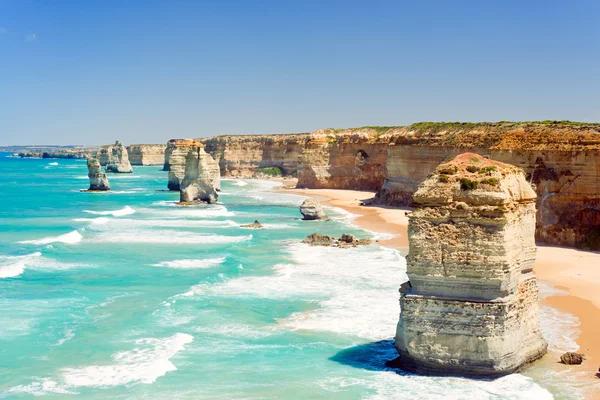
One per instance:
(471, 305)
(312, 210)
(118, 159)
(98, 179)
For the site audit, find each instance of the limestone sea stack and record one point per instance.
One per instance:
(146, 154)
(118, 159)
(471, 305)
(312, 210)
(197, 185)
(175, 159)
(98, 179)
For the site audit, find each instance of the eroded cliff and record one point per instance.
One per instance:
(146, 154)
(240, 155)
(175, 155)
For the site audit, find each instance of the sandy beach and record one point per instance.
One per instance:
(575, 273)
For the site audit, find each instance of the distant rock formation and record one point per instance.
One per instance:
(175, 159)
(471, 306)
(115, 158)
(347, 240)
(146, 154)
(254, 225)
(312, 210)
(198, 184)
(98, 179)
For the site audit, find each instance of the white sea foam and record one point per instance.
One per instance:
(172, 223)
(344, 282)
(53, 163)
(115, 213)
(68, 238)
(165, 237)
(191, 212)
(191, 264)
(12, 266)
(144, 364)
(240, 183)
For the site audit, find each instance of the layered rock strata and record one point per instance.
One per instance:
(197, 185)
(239, 155)
(146, 154)
(98, 179)
(116, 158)
(175, 160)
(471, 305)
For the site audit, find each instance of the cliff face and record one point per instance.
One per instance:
(471, 305)
(198, 183)
(562, 160)
(175, 156)
(146, 154)
(343, 159)
(239, 155)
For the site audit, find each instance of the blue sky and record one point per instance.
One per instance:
(88, 72)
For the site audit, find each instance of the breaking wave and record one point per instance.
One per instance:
(68, 238)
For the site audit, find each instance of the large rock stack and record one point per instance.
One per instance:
(198, 184)
(471, 305)
(116, 157)
(175, 160)
(98, 179)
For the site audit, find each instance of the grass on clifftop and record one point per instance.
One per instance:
(271, 171)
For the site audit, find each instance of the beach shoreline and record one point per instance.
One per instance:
(570, 271)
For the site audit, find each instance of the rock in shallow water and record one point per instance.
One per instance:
(471, 308)
(98, 179)
(347, 240)
(254, 225)
(312, 210)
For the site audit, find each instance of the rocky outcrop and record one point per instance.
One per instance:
(312, 210)
(197, 185)
(344, 159)
(570, 358)
(254, 225)
(347, 240)
(471, 307)
(146, 154)
(239, 155)
(98, 179)
(115, 158)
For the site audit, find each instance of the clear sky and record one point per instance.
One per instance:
(89, 72)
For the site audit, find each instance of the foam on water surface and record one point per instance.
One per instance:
(115, 213)
(68, 238)
(191, 264)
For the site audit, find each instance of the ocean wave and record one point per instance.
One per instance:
(191, 212)
(144, 364)
(173, 223)
(68, 238)
(191, 264)
(11, 266)
(165, 237)
(115, 213)
(53, 163)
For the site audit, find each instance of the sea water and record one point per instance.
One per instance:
(126, 295)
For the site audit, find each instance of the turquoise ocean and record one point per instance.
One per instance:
(124, 295)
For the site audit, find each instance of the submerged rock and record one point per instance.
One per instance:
(98, 179)
(347, 240)
(471, 307)
(254, 225)
(312, 210)
(118, 159)
(570, 358)
(197, 185)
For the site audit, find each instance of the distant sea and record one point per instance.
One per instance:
(124, 295)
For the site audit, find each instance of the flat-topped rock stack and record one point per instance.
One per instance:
(98, 179)
(471, 305)
(175, 159)
(146, 154)
(198, 183)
